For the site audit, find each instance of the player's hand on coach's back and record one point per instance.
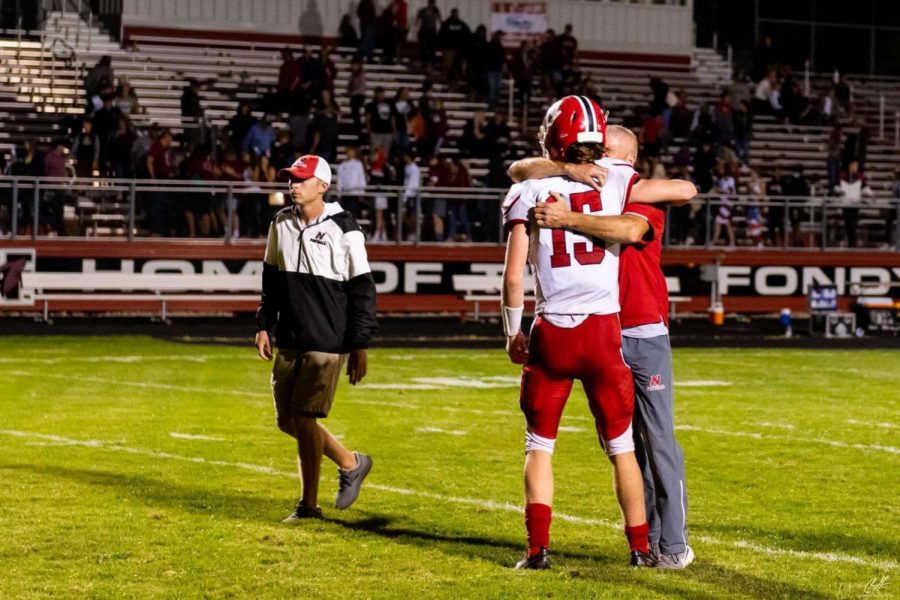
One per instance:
(517, 348)
(263, 345)
(587, 173)
(357, 365)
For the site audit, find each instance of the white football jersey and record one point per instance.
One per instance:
(574, 274)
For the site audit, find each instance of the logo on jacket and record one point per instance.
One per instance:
(320, 238)
(656, 383)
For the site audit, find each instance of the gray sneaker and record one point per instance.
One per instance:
(350, 481)
(678, 560)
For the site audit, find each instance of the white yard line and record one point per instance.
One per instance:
(773, 425)
(127, 359)
(790, 438)
(872, 424)
(194, 436)
(436, 430)
(408, 405)
(886, 565)
(702, 383)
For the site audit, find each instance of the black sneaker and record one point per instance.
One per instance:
(304, 512)
(641, 559)
(539, 561)
(351, 481)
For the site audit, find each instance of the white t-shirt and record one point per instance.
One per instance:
(412, 179)
(575, 276)
(351, 176)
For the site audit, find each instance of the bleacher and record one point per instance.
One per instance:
(43, 81)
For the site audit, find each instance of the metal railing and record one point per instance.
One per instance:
(34, 208)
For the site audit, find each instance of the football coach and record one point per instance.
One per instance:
(318, 310)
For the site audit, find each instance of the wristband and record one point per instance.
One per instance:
(512, 320)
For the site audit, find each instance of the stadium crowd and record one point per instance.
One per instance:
(401, 136)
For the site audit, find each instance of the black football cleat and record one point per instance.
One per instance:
(641, 559)
(538, 561)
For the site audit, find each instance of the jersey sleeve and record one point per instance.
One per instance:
(652, 213)
(622, 177)
(516, 205)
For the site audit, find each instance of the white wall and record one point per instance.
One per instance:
(599, 25)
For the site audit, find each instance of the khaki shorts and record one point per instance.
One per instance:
(304, 384)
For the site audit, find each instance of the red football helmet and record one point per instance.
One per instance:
(572, 119)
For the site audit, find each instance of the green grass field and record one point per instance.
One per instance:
(135, 467)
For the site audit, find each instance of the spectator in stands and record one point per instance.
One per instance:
(231, 168)
(743, 131)
(726, 186)
(126, 100)
(681, 117)
(329, 70)
(324, 130)
(762, 95)
(754, 216)
(856, 147)
(764, 58)
(392, 30)
(142, 143)
(568, 45)
(428, 21)
(776, 213)
(198, 208)
(351, 181)
(283, 151)
(239, 124)
(797, 187)
(366, 13)
(521, 67)
(843, 93)
(892, 237)
(497, 134)
(254, 211)
(651, 135)
(401, 109)
(494, 65)
(86, 150)
(476, 78)
(381, 174)
(312, 77)
(458, 227)
(852, 188)
(380, 122)
(55, 165)
(288, 80)
(571, 80)
(439, 175)
(100, 76)
(298, 122)
(347, 36)
(436, 128)
(739, 90)
(356, 90)
(191, 114)
(659, 90)
(159, 166)
(412, 181)
(453, 39)
(473, 142)
(833, 157)
(105, 120)
(118, 155)
(551, 63)
(260, 137)
(724, 121)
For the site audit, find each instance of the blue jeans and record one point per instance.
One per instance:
(494, 81)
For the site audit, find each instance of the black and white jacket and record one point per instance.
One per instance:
(317, 289)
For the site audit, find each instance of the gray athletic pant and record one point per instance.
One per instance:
(658, 454)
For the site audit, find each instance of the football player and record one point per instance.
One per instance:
(576, 332)
(643, 296)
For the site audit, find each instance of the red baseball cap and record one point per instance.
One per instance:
(308, 166)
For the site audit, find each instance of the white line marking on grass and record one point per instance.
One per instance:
(768, 436)
(436, 430)
(128, 359)
(398, 386)
(872, 424)
(463, 382)
(774, 425)
(194, 436)
(702, 383)
(570, 429)
(886, 565)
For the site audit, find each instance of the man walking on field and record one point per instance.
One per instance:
(318, 301)
(643, 296)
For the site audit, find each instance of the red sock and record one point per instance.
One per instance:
(638, 537)
(537, 522)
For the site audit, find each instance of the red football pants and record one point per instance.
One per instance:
(591, 353)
